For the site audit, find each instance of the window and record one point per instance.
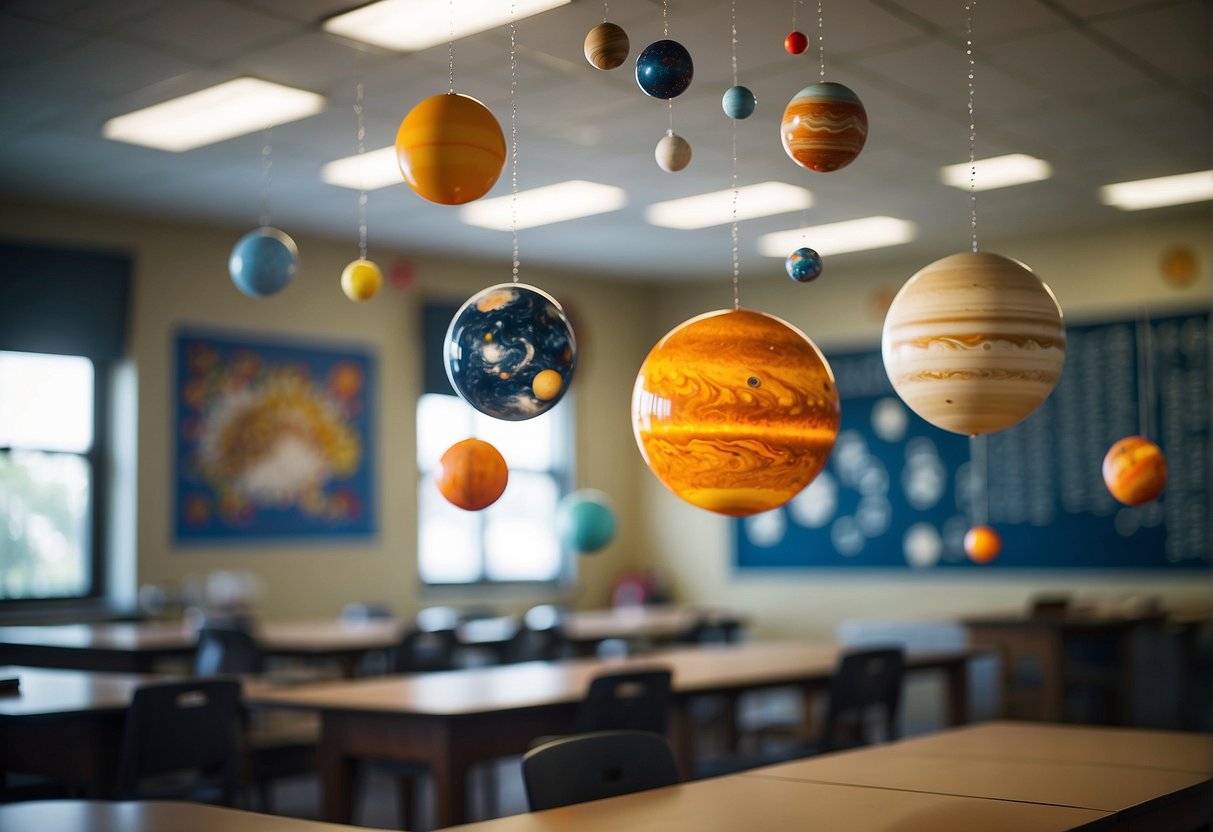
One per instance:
(514, 539)
(48, 444)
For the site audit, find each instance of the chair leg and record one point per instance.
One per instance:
(490, 786)
(406, 795)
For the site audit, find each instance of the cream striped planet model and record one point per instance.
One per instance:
(973, 343)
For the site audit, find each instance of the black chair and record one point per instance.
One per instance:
(866, 683)
(596, 765)
(713, 628)
(183, 740)
(227, 649)
(540, 636)
(637, 700)
(425, 651)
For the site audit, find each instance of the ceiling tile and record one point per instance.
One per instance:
(208, 29)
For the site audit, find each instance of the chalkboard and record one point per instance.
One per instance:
(899, 493)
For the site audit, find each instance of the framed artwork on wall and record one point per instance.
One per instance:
(273, 438)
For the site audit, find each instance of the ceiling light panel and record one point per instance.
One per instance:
(839, 237)
(996, 172)
(367, 171)
(1156, 193)
(543, 206)
(716, 208)
(412, 25)
(214, 114)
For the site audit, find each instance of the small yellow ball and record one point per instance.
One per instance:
(547, 385)
(361, 280)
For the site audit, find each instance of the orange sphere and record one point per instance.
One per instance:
(982, 544)
(472, 474)
(450, 149)
(735, 411)
(1135, 470)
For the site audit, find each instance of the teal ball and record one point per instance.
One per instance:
(738, 102)
(586, 521)
(263, 262)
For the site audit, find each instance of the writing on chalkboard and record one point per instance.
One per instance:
(899, 493)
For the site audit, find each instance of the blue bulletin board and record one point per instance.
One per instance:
(899, 493)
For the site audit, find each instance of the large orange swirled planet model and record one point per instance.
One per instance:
(735, 411)
(472, 474)
(824, 127)
(1135, 470)
(450, 149)
(974, 343)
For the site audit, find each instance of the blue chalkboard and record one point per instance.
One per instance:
(899, 493)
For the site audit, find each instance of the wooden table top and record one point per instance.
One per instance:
(757, 804)
(653, 621)
(534, 684)
(44, 691)
(147, 816)
(1175, 750)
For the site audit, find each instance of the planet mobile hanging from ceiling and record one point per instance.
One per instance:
(664, 69)
(264, 261)
(607, 45)
(735, 411)
(974, 342)
(362, 278)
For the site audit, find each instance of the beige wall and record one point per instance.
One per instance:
(181, 278)
(1113, 272)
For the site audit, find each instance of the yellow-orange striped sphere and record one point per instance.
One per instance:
(982, 544)
(361, 280)
(1135, 470)
(472, 474)
(450, 149)
(973, 343)
(824, 127)
(735, 411)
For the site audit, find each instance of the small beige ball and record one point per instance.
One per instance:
(673, 152)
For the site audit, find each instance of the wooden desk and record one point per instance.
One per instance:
(452, 720)
(755, 804)
(655, 624)
(66, 724)
(146, 816)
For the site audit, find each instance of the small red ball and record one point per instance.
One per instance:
(796, 43)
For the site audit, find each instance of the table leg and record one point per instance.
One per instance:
(337, 770)
(450, 774)
(682, 740)
(957, 682)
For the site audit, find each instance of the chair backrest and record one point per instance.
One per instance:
(712, 629)
(637, 700)
(421, 651)
(539, 637)
(865, 682)
(596, 765)
(194, 725)
(227, 650)
(366, 611)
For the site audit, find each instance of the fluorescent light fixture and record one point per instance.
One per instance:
(997, 172)
(1155, 193)
(233, 108)
(370, 170)
(716, 208)
(839, 237)
(411, 25)
(544, 206)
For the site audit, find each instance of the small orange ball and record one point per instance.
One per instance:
(1135, 470)
(450, 149)
(982, 544)
(472, 474)
(547, 385)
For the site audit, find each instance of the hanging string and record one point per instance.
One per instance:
(736, 255)
(972, 124)
(605, 13)
(980, 504)
(1145, 373)
(450, 47)
(665, 18)
(795, 3)
(821, 42)
(267, 168)
(361, 173)
(513, 143)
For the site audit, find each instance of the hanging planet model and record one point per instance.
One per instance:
(1135, 470)
(472, 474)
(510, 351)
(606, 46)
(803, 265)
(263, 262)
(982, 544)
(738, 102)
(673, 152)
(664, 69)
(824, 127)
(974, 343)
(735, 411)
(361, 280)
(796, 42)
(450, 149)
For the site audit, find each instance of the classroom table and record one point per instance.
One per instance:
(1149, 780)
(146, 816)
(640, 625)
(452, 720)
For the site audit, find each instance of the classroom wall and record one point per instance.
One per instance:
(1110, 273)
(181, 279)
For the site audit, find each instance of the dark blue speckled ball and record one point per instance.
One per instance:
(803, 265)
(664, 69)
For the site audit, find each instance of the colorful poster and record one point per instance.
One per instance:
(273, 439)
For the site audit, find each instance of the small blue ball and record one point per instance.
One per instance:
(664, 69)
(586, 521)
(738, 102)
(803, 265)
(263, 262)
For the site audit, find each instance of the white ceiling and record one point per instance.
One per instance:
(1105, 90)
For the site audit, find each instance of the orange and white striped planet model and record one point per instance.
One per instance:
(1135, 470)
(824, 127)
(973, 343)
